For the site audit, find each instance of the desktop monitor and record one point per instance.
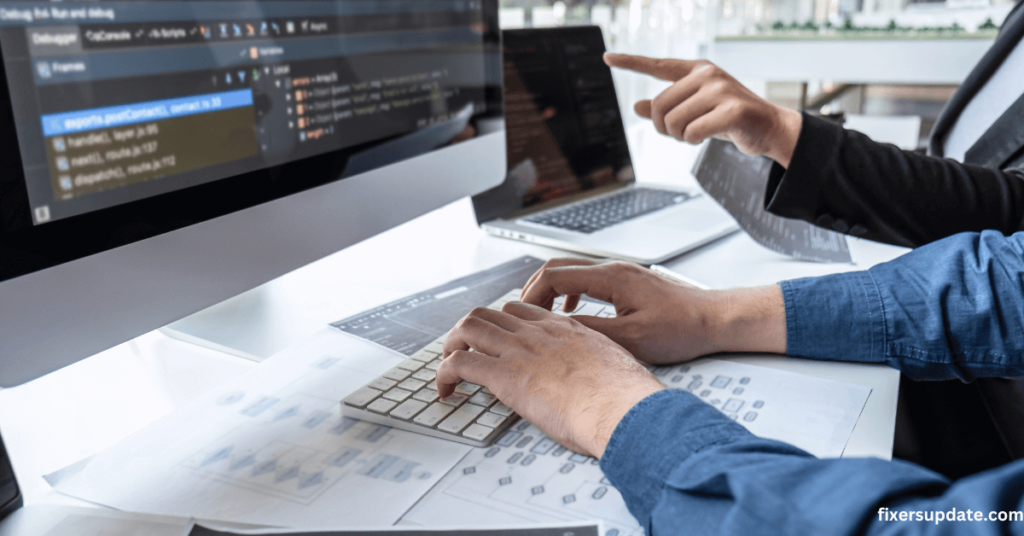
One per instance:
(161, 156)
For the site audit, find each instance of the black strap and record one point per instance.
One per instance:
(1002, 140)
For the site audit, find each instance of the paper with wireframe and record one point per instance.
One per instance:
(271, 448)
(737, 182)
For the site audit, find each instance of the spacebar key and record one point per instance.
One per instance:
(460, 419)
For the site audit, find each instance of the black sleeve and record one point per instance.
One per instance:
(842, 180)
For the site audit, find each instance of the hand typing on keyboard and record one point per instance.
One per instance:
(660, 321)
(572, 382)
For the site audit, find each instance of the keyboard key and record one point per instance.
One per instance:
(483, 399)
(408, 409)
(501, 409)
(381, 405)
(397, 374)
(425, 395)
(477, 432)
(362, 397)
(412, 385)
(433, 364)
(424, 375)
(455, 399)
(466, 388)
(433, 414)
(461, 418)
(491, 419)
(382, 384)
(398, 395)
(425, 356)
(411, 365)
(431, 385)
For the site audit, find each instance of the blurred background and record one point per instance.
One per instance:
(885, 67)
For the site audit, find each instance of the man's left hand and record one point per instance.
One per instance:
(571, 381)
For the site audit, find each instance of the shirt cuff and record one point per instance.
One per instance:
(654, 437)
(796, 192)
(837, 317)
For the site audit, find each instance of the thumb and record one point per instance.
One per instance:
(643, 108)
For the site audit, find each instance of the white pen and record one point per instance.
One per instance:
(657, 268)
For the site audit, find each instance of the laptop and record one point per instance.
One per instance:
(570, 181)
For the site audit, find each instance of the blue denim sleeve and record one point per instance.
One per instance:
(951, 309)
(684, 468)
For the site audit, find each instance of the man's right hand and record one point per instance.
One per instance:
(661, 321)
(704, 101)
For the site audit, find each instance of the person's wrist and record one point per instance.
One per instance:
(786, 133)
(748, 320)
(613, 411)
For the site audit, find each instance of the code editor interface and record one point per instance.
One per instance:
(119, 101)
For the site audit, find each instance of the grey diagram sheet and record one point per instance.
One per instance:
(409, 324)
(737, 182)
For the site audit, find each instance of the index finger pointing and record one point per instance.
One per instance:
(664, 69)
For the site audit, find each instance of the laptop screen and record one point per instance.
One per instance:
(564, 128)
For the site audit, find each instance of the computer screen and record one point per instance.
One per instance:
(124, 120)
(564, 128)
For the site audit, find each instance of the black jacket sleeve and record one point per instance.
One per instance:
(843, 180)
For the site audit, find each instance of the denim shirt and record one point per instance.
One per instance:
(951, 309)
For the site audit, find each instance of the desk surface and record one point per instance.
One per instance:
(82, 409)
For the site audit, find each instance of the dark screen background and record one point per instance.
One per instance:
(26, 248)
(564, 129)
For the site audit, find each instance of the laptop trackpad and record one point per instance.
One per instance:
(690, 219)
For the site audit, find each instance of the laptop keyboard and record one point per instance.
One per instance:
(604, 212)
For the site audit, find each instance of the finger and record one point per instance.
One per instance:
(676, 95)
(679, 118)
(473, 367)
(525, 311)
(555, 263)
(479, 334)
(498, 318)
(714, 123)
(643, 108)
(594, 281)
(664, 69)
(571, 303)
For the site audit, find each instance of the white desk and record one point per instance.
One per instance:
(78, 411)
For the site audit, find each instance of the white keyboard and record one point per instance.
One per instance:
(405, 397)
